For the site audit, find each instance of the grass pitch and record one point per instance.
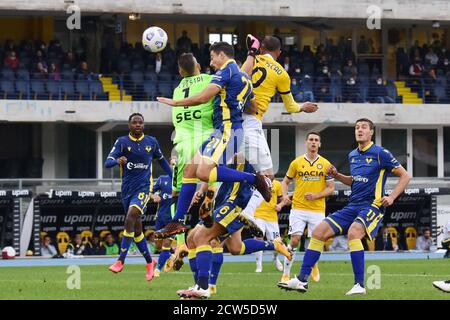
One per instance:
(400, 279)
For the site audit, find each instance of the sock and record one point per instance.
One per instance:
(184, 200)
(253, 245)
(204, 257)
(192, 256)
(311, 257)
(127, 239)
(163, 256)
(357, 255)
(259, 256)
(288, 264)
(253, 203)
(216, 264)
(141, 243)
(225, 174)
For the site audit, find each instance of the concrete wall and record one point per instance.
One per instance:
(394, 9)
(156, 113)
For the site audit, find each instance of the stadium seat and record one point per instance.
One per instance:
(67, 90)
(165, 89)
(151, 75)
(411, 236)
(82, 89)
(67, 74)
(54, 89)
(22, 74)
(150, 90)
(86, 236)
(7, 73)
(23, 89)
(7, 90)
(63, 239)
(37, 89)
(394, 236)
(165, 76)
(96, 89)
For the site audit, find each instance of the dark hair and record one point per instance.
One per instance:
(271, 43)
(135, 114)
(366, 120)
(312, 132)
(186, 62)
(224, 47)
(425, 230)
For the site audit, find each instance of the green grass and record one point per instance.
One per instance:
(401, 279)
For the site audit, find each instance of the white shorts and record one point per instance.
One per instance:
(270, 229)
(299, 219)
(255, 145)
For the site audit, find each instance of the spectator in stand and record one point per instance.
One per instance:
(383, 241)
(296, 91)
(95, 249)
(297, 74)
(76, 247)
(286, 65)
(416, 69)
(70, 60)
(184, 43)
(323, 94)
(424, 242)
(48, 250)
(350, 70)
(158, 62)
(444, 65)
(110, 246)
(431, 57)
(340, 243)
(350, 91)
(40, 72)
(12, 60)
(53, 72)
(39, 57)
(378, 92)
(83, 72)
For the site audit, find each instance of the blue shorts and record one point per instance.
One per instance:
(223, 143)
(226, 215)
(368, 215)
(138, 200)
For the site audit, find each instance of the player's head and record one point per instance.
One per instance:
(313, 142)
(271, 45)
(188, 65)
(363, 130)
(220, 52)
(136, 124)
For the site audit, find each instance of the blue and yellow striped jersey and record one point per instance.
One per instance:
(369, 169)
(234, 95)
(137, 172)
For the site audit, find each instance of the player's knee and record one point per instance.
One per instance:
(356, 232)
(320, 234)
(203, 173)
(294, 242)
(235, 251)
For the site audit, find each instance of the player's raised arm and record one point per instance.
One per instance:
(210, 91)
(253, 45)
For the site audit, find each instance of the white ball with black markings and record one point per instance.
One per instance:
(154, 39)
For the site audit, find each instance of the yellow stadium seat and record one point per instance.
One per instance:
(63, 240)
(411, 236)
(103, 234)
(394, 236)
(86, 236)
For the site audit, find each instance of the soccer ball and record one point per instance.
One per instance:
(154, 39)
(8, 253)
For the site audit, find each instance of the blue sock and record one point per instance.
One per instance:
(184, 199)
(204, 257)
(312, 255)
(127, 239)
(141, 243)
(163, 256)
(225, 174)
(253, 245)
(357, 256)
(193, 264)
(216, 264)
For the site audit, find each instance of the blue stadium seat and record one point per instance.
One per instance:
(124, 66)
(82, 89)
(165, 88)
(150, 90)
(23, 89)
(22, 74)
(67, 90)
(151, 75)
(7, 73)
(7, 90)
(67, 74)
(97, 93)
(165, 76)
(392, 91)
(37, 88)
(54, 89)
